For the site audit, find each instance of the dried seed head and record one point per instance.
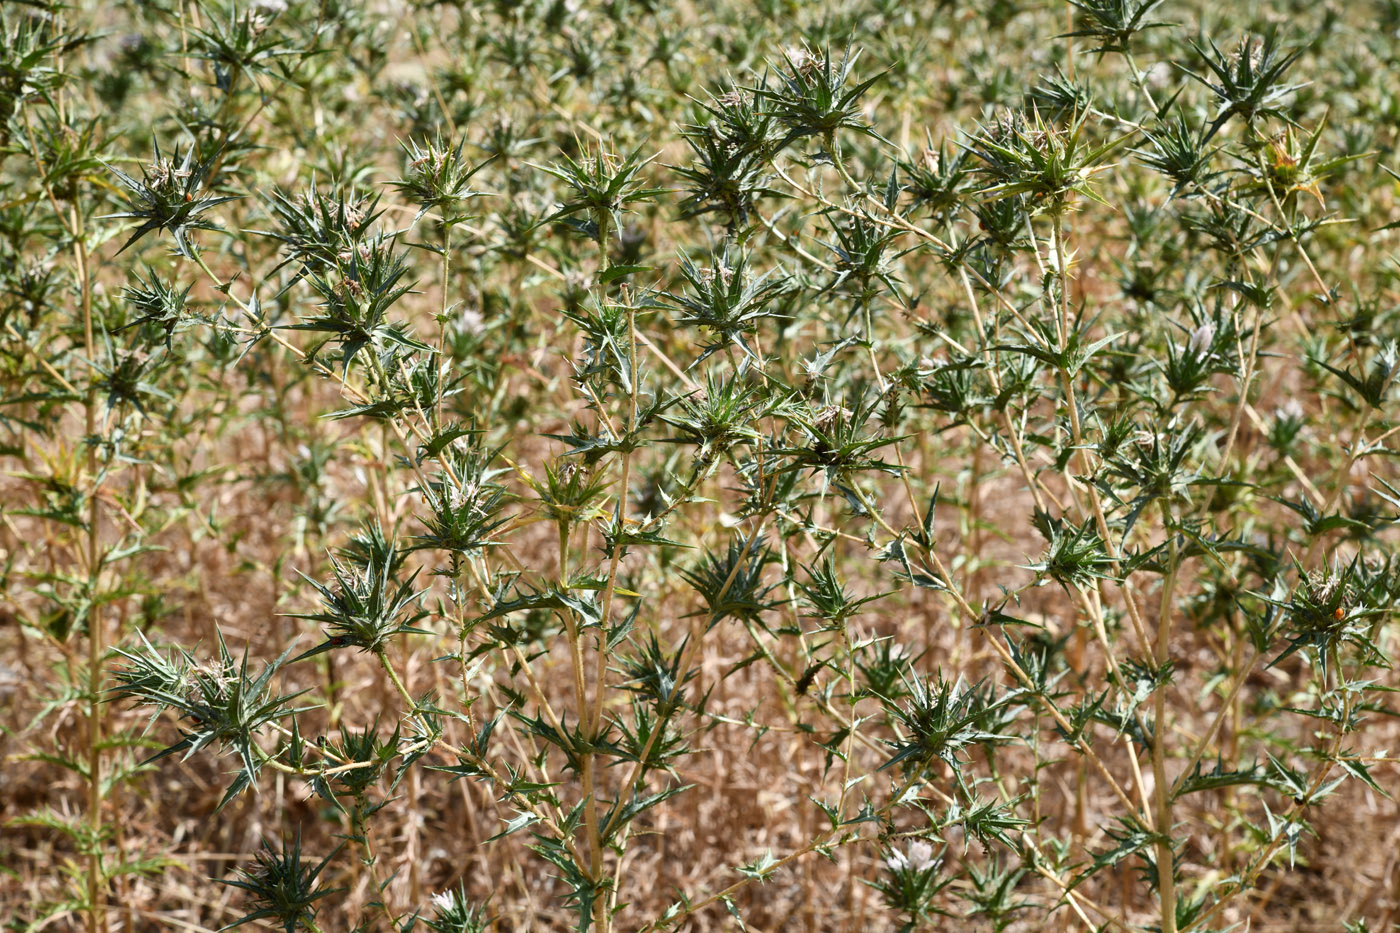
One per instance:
(828, 416)
(200, 677)
(1251, 50)
(804, 62)
(355, 213)
(1324, 585)
(720, 271)
(467, 494)
(732, 99)
(163, 177)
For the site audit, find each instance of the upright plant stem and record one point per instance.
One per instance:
(74, 226)
(1166, 875)
(442, 323)
(601, 914)
(97, 907)
(360, 831)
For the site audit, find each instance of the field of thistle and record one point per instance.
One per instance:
(644, 465)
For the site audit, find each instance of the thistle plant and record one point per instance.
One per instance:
(639, 466)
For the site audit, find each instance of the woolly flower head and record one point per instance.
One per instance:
(1202, 338)
(918, 856)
